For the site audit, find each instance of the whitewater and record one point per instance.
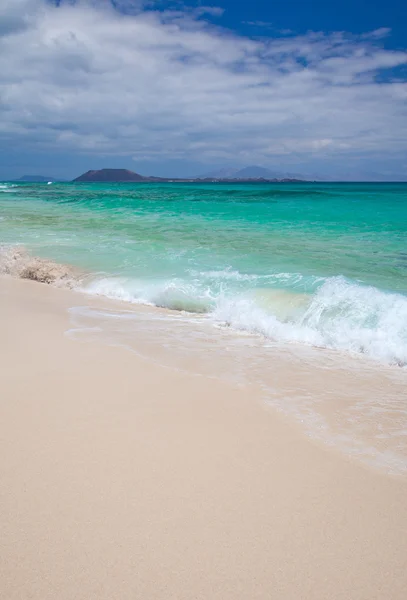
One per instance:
(322, 265)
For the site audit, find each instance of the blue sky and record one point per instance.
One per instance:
(271, 17)
(181, 88)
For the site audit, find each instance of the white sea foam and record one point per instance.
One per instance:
(7, 187)
(224, 274)
(340, 315)
(175, 294)
(116, 288)
(230, 274)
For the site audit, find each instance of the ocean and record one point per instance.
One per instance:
(298, 290)
(321, 264)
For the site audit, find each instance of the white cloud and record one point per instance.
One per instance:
(167, 84)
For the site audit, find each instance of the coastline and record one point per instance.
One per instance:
(123, 478)
(322, 267)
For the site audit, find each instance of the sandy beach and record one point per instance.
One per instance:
(122, 479)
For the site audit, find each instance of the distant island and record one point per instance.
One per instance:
(113, 176)
(124, 175)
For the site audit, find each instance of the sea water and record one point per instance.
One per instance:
(321, 264)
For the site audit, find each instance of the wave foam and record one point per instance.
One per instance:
(7, 187)
(341, 315)
(174, 294)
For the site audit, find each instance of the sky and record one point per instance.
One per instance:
(180, 88)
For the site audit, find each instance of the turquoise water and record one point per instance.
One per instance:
(321, 264)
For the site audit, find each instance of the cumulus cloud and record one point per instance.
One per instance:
(84, 77)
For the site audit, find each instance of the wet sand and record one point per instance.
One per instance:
(124, 479)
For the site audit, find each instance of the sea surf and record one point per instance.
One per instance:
(317, 264)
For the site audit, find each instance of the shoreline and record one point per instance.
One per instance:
(357, 406)
(18, 262)
(125, 479)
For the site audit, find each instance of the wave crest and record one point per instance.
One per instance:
(339, 314)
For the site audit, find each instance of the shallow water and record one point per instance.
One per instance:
(320, 264)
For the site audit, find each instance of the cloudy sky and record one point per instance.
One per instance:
(180, 88)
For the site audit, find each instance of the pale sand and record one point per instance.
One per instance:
(121, 479)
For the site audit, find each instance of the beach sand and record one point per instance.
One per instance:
(122, 479)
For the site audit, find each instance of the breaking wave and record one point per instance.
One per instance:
(339, 314)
